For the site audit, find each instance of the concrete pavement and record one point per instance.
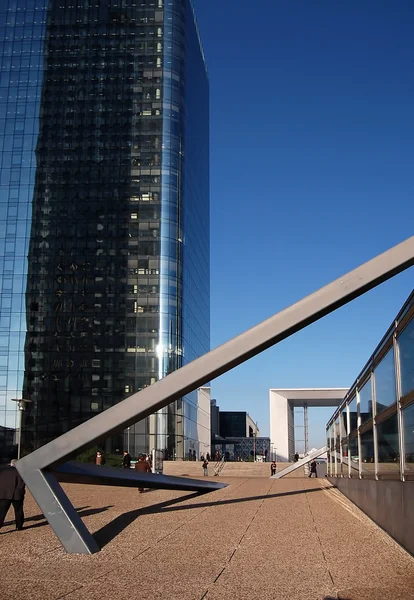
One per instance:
(296, 539)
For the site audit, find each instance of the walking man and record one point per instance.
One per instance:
(313, 469)
(12, 490)
(126, 461)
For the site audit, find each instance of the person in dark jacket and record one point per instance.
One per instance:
(313, 470)
(143, 467)
(126, 461)
(273, 468)
(12, 490)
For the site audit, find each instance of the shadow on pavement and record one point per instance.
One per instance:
(81, 511)
(109, 531)
(39, 517)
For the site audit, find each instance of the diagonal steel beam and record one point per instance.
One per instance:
(224, 358)
(35, 468)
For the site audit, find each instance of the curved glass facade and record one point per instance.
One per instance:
(379, 407)
(22, 30)
(118, 273)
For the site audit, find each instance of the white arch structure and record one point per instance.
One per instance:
(38, 468)
(282, 421)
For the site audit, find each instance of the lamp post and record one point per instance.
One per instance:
(21, 404)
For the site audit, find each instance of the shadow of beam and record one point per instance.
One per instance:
(109, 531)
(81, 511)
(40, 517)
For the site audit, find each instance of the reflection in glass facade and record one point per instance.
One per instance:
(367, 449)
(381, 444)
(353, 414)
(365, 402)
(109, 157)
(409, 437)
(388, 443)
(22, 29)
(385, 385)
(406, 349)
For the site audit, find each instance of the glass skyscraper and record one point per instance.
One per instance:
(104, 113)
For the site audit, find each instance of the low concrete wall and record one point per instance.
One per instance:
(229, 469)
(389, 503)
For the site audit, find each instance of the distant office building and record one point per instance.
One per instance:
(237, 424)
(214, 419)
(104, 114)
(235, 436)
(243, 449)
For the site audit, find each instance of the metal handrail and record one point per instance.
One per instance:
(219, 466)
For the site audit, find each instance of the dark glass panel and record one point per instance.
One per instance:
(385, 390)
(365, 402)
(353, 415)
(367, 453)
(406, 351)
(408, 422)
(388, 445)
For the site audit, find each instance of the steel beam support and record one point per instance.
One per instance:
(63, 518)
(59, 511)
(208, 367)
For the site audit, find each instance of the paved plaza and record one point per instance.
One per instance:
(296, 539)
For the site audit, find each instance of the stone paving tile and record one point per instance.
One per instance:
(276, 556)
(23, 589)
(196, 551)
(176, 590)
(364, 561)
(257, 538)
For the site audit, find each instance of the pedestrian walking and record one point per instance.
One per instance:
(99, 458)
(313, 469)
(126, 461)
(273, 468)
(205, 468)
(12, 490)
(143, 467)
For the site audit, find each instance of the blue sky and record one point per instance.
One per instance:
(312, 174)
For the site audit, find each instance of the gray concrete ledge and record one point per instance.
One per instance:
(389, 503)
